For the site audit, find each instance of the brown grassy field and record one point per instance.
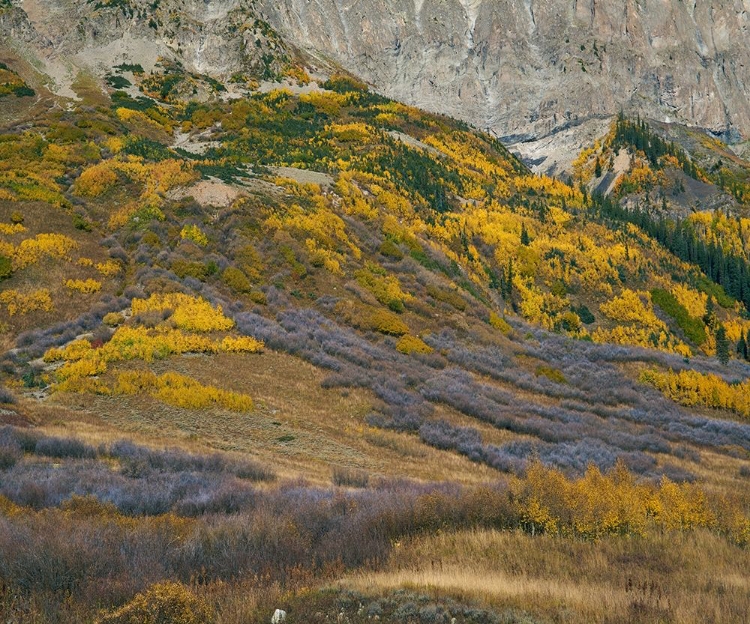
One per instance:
(300, 428)
(680, 579)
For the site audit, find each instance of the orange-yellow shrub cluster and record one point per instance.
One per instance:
(692, 388)
(385, 322)
(11, 228)
(139, 343)
(17, 302)
(639, 325)
(155, 179)
(241, 344)
(386, 288)
(96, 180)
(87, 287)
(412, 344)
(195, 234)
(190, 313)
(181, 391)
(31, 250)
(692, 300)
(108, 268)
(615, 503)
(499, 323)
(162, 602)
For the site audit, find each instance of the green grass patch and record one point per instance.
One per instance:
(693, 328)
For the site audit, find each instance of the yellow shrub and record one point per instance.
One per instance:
(139, 343)
(112, 319)
(76, 350)
(108, 268)
(386, 322)
(131, 343)
(190, 313)
(163, 603)
(18, 302)
(327, 102)
(54, 355)
(96, 180)
(681, 507)
(551, 373)
(351, 132)
(692, 300)
(89, 366)
(241, 344)
(386, 288)
(236, 280)
(181, 391)
(412, 344)
(641, 337)
(613, 503)
(114, 144)
(127, 114)
(195, 234)
(31, 250)
(500, 323)
(11, 228)
(692, 388)
(628, 307)
(135, 382)
(83, 385)
(320, 257)
(87, 286)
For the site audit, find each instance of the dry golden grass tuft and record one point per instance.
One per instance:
(696, 577)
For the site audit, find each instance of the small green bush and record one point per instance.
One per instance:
(692, 327)
(550, 373)
(500, 323)
(259, 297)
(447, 296)
(389, 249)
(236, 280)
(185, 268)
(386, 322)
(6, 267)
(584, 314)
(112, 319)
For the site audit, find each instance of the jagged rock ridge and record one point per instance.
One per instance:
(524, 69)
(530, 68)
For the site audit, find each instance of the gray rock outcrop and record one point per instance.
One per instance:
(528, 68)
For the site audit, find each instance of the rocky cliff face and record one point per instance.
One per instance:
(529, 68)
(61, 37)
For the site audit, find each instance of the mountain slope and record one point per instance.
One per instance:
(295, 345)
(366, 237)
(529, 69)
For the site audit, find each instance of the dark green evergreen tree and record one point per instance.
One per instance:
(709, 318)
(722, 345)
(524, 236)
(742, 347)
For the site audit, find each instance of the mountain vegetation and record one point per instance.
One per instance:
(273, 350)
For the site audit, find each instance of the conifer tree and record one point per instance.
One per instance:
(742, 347)
(524, 236)
(722, 345)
